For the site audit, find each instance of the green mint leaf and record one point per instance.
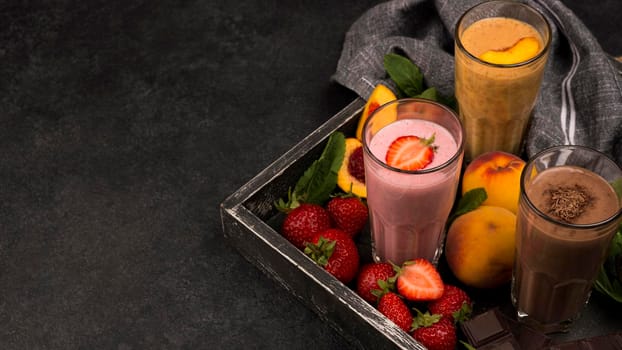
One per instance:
(616, 244)
(320, 179)
(409, 80)
(609, 279)
(611, 288)
(450, 101)
(434, 95)
(430, 94)
(469, 201)
(467, 345)
(406, 75)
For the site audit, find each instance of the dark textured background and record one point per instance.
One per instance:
(124, 124)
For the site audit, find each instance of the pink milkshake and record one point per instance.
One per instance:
(409, 209)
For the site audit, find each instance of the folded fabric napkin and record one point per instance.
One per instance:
(580, 101)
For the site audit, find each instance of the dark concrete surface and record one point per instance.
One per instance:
(123, 126)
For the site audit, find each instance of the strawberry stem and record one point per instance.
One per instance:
(321, 251)
(424, 319)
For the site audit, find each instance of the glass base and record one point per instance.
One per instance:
(551, 307)
(558, 327)
(435, 259)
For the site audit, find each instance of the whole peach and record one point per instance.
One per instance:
(499, 174)
(480, 246)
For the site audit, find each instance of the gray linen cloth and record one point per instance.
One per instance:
(580, 101)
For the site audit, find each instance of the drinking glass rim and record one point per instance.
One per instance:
(548, 218)
(451, 160)
(537, 57)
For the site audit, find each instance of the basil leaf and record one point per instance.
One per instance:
(320, 179)
(406, 75)
(450, 101)
(430, 94)
(468, 202)
(609, 279)
(409, 80)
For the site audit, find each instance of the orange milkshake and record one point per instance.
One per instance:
(499, 62)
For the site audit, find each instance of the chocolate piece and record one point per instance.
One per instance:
(506, 343)
(493, 330)
(527, 337)
(485, 328)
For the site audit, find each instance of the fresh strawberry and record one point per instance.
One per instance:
(395, 309)
(411, 152)
(374, 277)
(349, 213)
(434, 331)
(418, 280)
(336, 251)
(454, 304)
(303, 222)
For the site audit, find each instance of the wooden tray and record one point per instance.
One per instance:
(250, 223)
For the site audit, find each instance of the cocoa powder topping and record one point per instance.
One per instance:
(568, 203)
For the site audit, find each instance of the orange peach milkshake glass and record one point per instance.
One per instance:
(409, 201)
(501, 49)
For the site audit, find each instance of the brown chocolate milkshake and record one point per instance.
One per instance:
(557, 258)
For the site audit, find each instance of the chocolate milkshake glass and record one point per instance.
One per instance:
(568, 213)
(409, 208)
(501, 49)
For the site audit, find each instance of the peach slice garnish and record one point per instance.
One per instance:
(379, 96)
(523, 50)
(351, 174)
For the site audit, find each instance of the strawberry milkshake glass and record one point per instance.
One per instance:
(413, 151)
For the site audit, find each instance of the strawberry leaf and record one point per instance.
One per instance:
(321, 251)
(463, 313)
(424, 319)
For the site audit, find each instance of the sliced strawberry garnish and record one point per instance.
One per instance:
(411, 152)
(418, 280)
